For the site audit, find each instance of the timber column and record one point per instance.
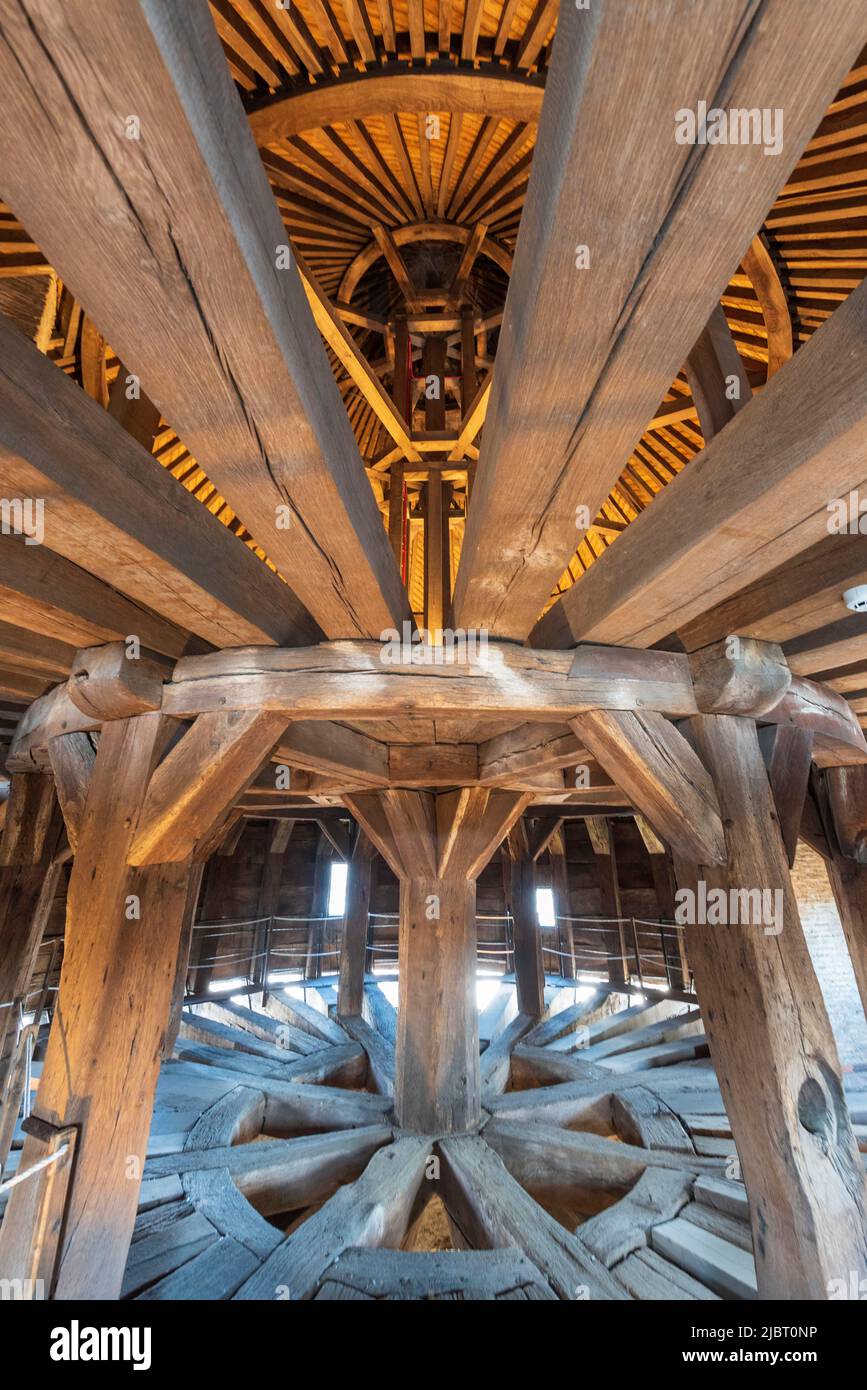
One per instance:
(437, 845)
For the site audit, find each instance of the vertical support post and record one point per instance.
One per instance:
(356, 921)
(849, 885)
(602, 840)
(183, 963)
(662, 869)
(268, 900)
(437, 846)
(434, 366)
(121, 948)
(527, 938)
(318, 904)
(771, 1041)
(397, 515)
(560, 891)
(401, 369)
(437, 1087)
(469, 378)
(437, 576)
(31, 838)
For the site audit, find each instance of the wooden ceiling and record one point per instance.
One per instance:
(398, 141)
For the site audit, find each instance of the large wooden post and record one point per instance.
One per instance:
(143, 812)
(121, 947)
(28, 847)
(527, 938)
(605, 858)
(842, 792)
(662, 869)
(356, 921)
(772, 1044)
(560, 894)
(437, 1086)
(437, 846)
(849, 885)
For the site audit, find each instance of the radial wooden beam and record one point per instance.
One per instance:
(587, 352)
(759, 493)
(345, 348)
(111, 508)
(46, 594)
(179, 213)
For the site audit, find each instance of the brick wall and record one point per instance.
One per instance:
(830, 957)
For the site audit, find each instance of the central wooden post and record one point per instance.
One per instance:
(437, 1087)
(437, 845)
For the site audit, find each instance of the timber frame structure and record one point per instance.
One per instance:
(363, 279)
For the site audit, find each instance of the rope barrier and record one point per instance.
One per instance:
(34, 1168)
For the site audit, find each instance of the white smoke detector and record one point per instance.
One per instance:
(856, 598)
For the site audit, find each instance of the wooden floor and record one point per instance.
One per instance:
(603, 1171)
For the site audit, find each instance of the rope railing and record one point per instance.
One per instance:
(646, 945)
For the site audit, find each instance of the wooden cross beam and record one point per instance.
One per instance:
(598, 324)
(368, 681)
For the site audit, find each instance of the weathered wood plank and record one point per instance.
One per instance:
(375, 1210)
(244, 378)
(113, 510)
(556, 434)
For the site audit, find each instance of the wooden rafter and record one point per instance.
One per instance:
(243, 377)
(554, 440)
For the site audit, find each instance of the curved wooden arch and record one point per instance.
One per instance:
(420, 231)
(762, 273)
(493, 93)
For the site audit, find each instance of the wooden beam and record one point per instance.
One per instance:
(359, 681)
(100, 1071)
(397, 266)
(356, 921)
(465, 265)
(243, 378)
(527, 938)
(765, 280)
(788, 754)
(319, 746)
(199, 779)
(475, 413)
(110, 507)
(761, 490)
(30, 865)
(717, 376)
(46, 594)
(796, 597)
(788, 1115)
(349, 354)
(557, 434)
(72, 758)
(420, 90)
(662, 776)
(437, 555)
(437, 1084)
